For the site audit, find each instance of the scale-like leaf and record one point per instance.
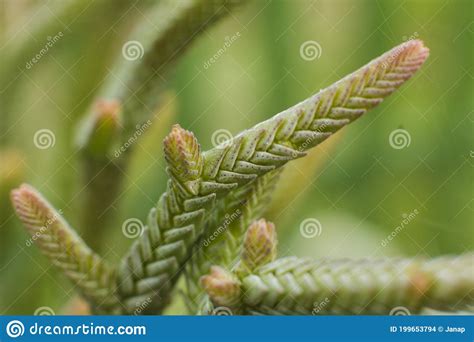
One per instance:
(293, 286)
(155, 261)
(302, 286)
(61, 244)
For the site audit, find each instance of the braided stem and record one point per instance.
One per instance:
(60, 243)
(135, 85)
(224, 232)
(154, 262)
(293, 286)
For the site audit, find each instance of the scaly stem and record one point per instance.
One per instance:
(150, 269)
(221, 241)
(59, 242)
(293, 286)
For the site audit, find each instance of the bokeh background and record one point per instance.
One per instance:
(356, 185)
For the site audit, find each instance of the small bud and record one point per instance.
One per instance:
(222, 287)
(183, 155)
(101, 128)
(260, 244)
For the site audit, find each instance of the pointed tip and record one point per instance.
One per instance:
(18, 195)
(183, 156)
(23, 189)
(418, 43)
(177, 135)
(177, 127)
(412, 51)
(107, 109)
(418, 47)
(100, 128)
(260, 245)
(24, 198)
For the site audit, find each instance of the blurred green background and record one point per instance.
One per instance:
(358, 187)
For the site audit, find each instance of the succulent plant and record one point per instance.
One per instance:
(209, 228)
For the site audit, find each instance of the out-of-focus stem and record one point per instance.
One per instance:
(135, 85)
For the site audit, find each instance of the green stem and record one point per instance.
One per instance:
(135, 84)
(152, 266)
(93, 277)
(292, 286)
